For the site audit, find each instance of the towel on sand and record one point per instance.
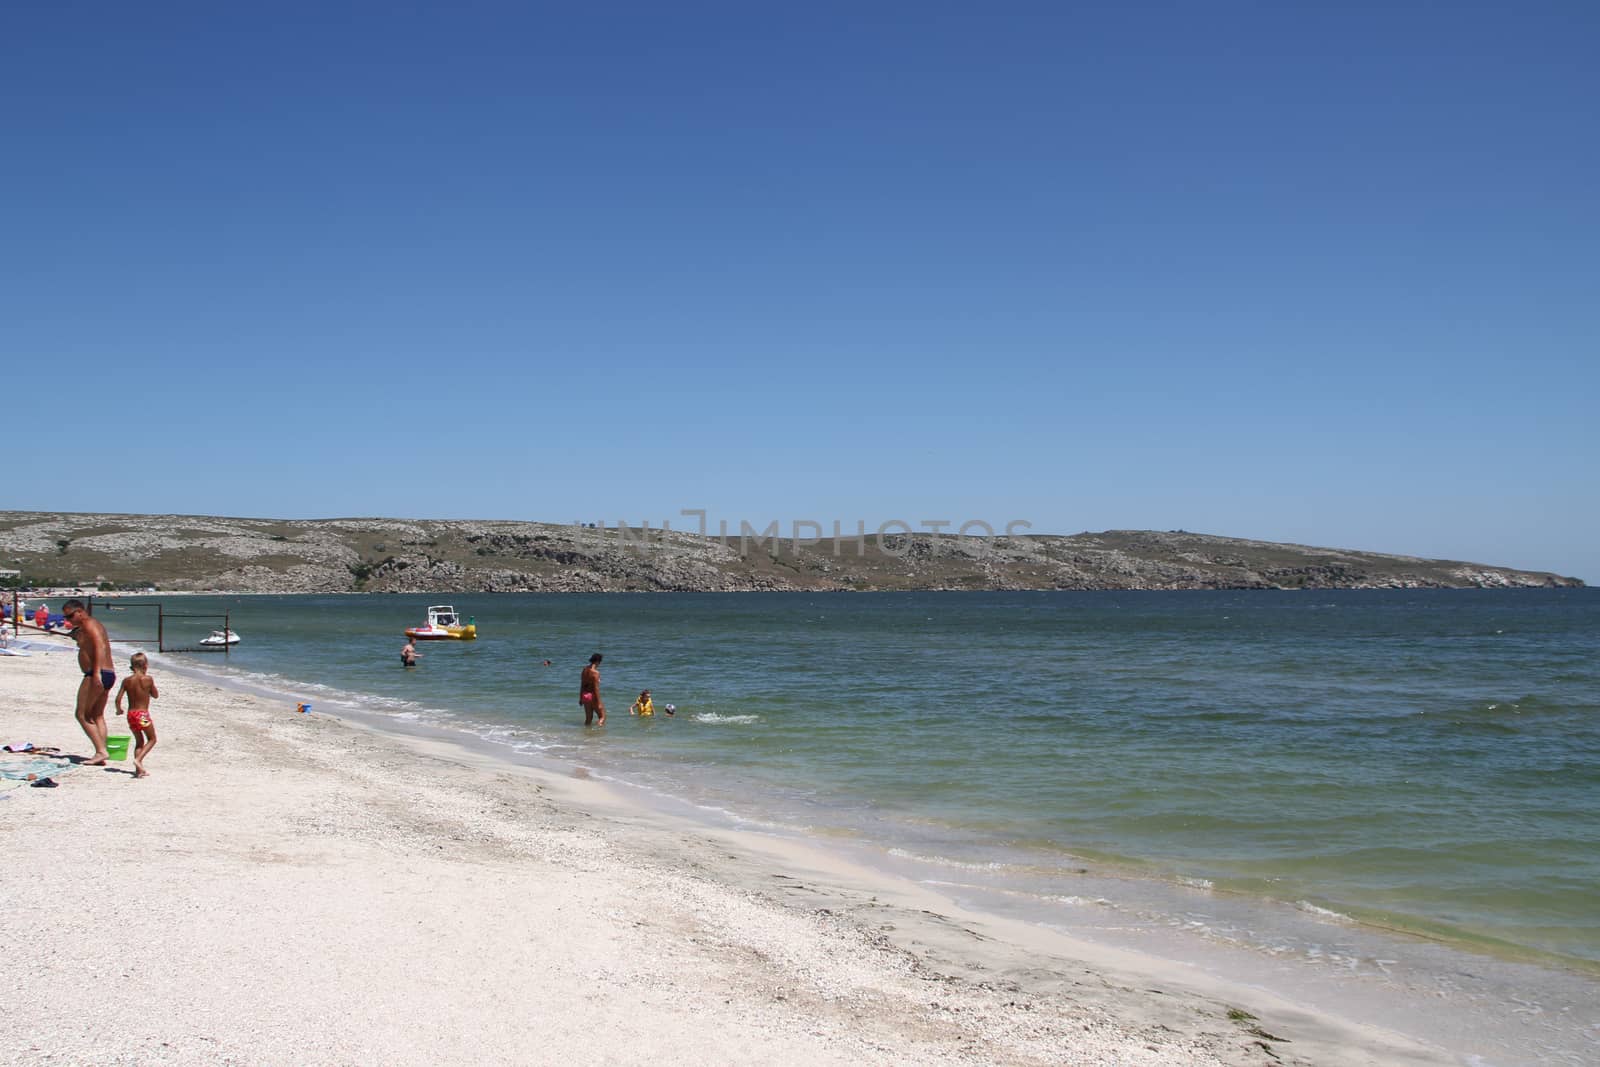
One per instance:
(14, 770)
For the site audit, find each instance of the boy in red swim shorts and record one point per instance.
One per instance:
(139, 688)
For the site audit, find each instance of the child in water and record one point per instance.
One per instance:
(139, 688)
(643, 706)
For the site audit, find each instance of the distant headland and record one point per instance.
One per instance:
(194, 553)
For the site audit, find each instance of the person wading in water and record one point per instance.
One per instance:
(594, 709)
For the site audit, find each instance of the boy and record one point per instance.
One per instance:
(139, 688)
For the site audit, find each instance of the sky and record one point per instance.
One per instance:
(1320, 274)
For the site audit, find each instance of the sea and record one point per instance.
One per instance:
(1382, 803)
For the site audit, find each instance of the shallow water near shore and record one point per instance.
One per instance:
(1375, 796)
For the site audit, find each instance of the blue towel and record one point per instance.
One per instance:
(17, 768)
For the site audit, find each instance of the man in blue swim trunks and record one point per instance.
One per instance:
(94, 659)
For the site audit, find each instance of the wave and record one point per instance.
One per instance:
(718, 720)
(945, 861)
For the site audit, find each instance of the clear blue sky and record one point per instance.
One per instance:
(1330, 276)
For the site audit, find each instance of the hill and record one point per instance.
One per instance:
(185, 552)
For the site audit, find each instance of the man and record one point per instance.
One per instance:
(409, 655)
(94, 659)
(594, 710)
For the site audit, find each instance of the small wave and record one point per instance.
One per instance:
(537, 746)
(738, 819)
(272, 685)
(736, 720)
(945, 861)
(1197, 883)
(1081, 902)
(1048, 898)
(1321, 912)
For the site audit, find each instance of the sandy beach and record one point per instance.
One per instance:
(292, 888)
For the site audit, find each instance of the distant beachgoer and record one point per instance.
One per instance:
(41, 617)
(547, 663)
(409, 655)
(140, 689)
(594, 709)
(643, 706)
(94, 659)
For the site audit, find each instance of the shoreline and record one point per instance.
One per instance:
(847, 936)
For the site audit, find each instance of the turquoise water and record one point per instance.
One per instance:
(1421, 761)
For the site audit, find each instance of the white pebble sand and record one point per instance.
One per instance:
(288, 888)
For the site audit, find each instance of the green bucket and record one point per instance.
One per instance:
(117, 746)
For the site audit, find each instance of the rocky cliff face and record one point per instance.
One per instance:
(183, 552)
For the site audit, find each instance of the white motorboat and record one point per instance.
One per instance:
(221, 637)
(444, 624)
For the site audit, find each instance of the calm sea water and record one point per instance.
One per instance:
(1287, 772)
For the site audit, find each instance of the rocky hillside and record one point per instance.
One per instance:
(186, 552)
